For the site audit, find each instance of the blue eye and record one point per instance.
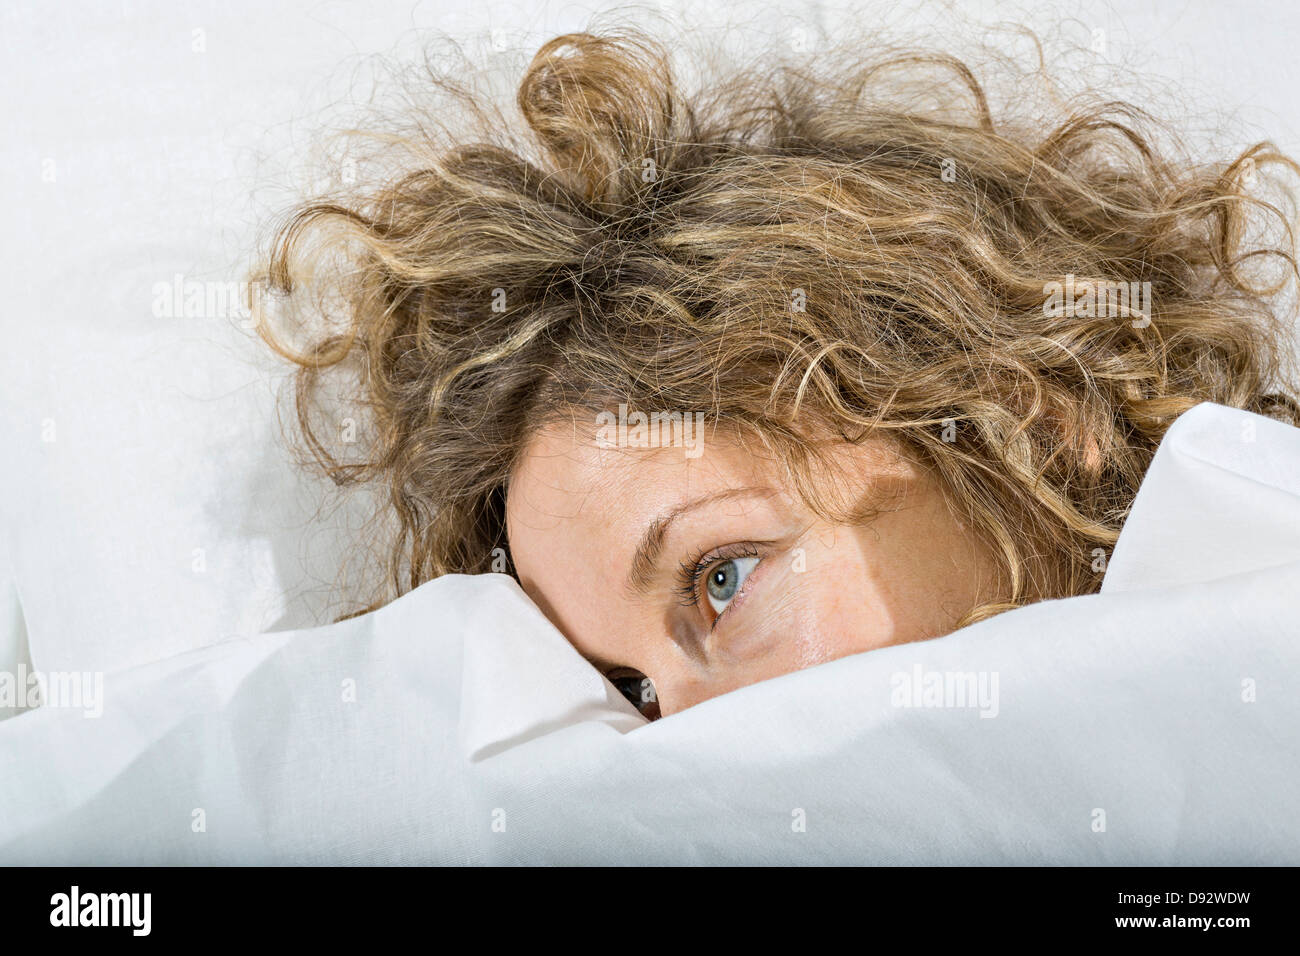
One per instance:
(724, 579)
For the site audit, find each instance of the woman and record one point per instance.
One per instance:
(741, 381)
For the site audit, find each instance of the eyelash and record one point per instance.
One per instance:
(691, 571)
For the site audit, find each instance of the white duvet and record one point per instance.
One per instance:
(1155, 723)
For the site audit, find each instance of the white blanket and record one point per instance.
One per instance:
(1157, 722)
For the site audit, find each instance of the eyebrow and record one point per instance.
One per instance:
(649, 550)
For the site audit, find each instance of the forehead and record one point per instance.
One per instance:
(566, 476)
(568, 480)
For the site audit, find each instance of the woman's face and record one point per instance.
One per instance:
(704, 574)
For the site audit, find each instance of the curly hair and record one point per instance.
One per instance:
(792, 251)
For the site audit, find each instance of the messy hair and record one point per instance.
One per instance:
(789, 250)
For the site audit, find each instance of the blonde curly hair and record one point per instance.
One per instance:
(792, 251)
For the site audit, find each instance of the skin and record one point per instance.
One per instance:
(819, 590)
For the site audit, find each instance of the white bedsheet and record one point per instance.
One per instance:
(1154, 723)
